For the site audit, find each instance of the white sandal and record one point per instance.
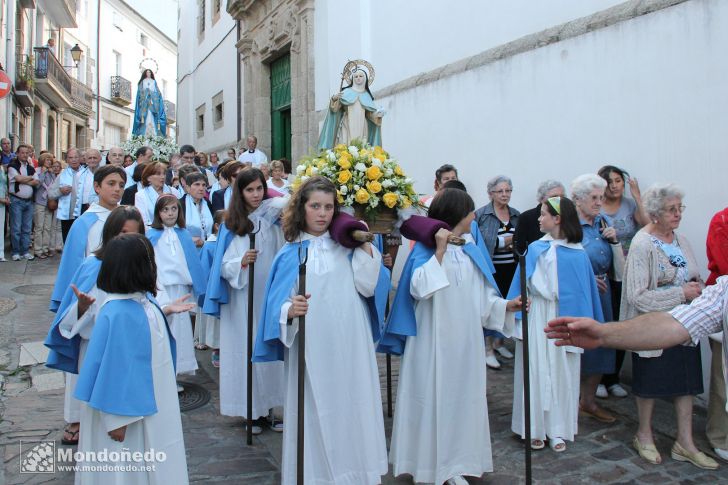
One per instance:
(557, 444)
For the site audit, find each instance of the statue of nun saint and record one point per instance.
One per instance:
(150, 119)
(352, 113)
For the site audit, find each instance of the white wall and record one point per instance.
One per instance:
(645, 94)
(402, 38)
(204, 69)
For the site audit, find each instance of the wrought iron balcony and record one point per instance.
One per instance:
(51, 79)
(120, 90)
(83, 97)
(171, 110)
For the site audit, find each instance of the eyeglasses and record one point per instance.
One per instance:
(675, 209)
(502, 192)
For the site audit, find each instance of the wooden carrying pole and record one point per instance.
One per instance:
(302, 259)
(251, 286)
(525, 362)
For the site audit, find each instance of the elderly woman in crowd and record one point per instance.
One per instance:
(587, 191)
(497, 223)
(43, 216)
(660, 273)
(627, 216)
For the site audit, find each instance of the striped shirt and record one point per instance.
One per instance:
(707, 314)
(501, 255)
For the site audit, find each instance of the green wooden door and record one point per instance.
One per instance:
(280, 109)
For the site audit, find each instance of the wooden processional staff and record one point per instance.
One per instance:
(251, 286)
(302, 260)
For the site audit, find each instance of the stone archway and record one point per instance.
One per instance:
(271, 29)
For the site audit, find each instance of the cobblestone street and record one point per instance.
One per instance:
(32, 409)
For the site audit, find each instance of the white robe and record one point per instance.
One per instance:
(441, 425)
(554, 371)
(161, 432)
(69, 327)
(267, 376)
(174, 278)
(71, 405)
(344, 426)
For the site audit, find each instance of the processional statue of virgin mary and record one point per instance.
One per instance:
(352, 113)
(150, 119)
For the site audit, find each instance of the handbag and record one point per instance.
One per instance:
(51, 204)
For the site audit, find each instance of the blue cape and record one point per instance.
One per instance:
(192, 257)
(63, 353)
(116, 375)
(401, 322)
(207, 255)
(281, 281)
(578, 292)
(74, 252)
(217, 292)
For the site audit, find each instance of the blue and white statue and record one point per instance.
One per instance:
(352, 113)
(150, 119)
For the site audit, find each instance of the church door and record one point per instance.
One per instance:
(280, 100)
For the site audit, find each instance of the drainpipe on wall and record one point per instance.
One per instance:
(98, 61)
(10, 65)
(240, 90)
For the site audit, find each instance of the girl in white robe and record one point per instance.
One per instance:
(344, 439)
(248, 211)
(179, 273)
(441, 429)
(135, 413)
(554, 371)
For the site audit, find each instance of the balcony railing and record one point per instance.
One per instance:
(83, 97)
(171, 110)
(120, 90)
(51, 78)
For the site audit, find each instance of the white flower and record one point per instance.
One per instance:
(314, 170)
(354, 151)
(360, 167)
(376, 162)
(343, 189)
(388, 172)
(331, 155)
(408, 180)
(304, 178)
(387, 183)
(357, 187)
(300, 168)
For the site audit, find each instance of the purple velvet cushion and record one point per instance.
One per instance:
(422, 229)
(341, 228)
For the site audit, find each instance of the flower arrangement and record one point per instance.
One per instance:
(162, 146)
(367, 179)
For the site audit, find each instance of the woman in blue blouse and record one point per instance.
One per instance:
(587, 191)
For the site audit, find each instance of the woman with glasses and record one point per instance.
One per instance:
(497, 223)
(661, 272)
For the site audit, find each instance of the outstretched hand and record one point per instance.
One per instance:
(575, 331)
(84, 300)
(180, 305)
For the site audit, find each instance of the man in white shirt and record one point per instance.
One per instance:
(68, 189)
(142, 155)
(252, 155)
(22, 179)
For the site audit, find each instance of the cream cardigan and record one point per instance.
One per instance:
(647, 276)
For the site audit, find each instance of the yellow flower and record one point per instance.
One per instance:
(379, 153)
(320, 163)
(362, 196)
(374, 172)
(374, 187)
(340, 147)
(344, 176)
(390, 199)
(365, 154)
(339, 197)
(398, 171)
(309, 170)
(406, 202)
(345, 161)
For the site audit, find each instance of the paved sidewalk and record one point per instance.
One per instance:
(31, 408)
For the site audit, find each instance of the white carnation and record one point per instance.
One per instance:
(388, 172)
(376, 162)
(300, 168)
(360, 166)
(304, 178)
(387, 183)
(354, 151)
(343, 189)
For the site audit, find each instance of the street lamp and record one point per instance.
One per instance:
(76, 52)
